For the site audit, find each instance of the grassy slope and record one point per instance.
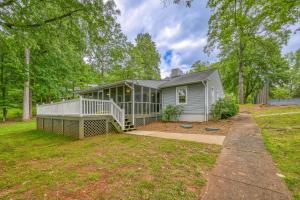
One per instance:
(34, 164)
(282, 138)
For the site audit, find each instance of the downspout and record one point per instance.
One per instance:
(205, 101)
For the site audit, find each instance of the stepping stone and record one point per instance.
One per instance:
(186, 126)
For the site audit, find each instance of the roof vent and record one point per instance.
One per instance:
(176, 72)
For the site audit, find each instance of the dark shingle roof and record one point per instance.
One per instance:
(148, 83)
(169, 82)
(188, 78)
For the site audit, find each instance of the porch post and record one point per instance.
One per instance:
(149, 99)
(142, 100)
(133, 104)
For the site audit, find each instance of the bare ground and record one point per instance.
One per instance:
(198, 127)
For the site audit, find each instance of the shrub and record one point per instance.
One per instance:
(171, 113)
(224, 108)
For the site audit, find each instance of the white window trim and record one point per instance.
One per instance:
(186, 98)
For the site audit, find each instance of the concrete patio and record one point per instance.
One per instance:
(208, 139)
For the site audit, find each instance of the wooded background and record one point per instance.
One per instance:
(48, 49)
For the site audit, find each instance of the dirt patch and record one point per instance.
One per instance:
(198, 127)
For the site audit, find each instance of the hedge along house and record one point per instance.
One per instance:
(126, 104)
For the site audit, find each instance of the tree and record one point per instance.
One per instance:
(235, 24)
(293, 85)
(144, 58)
(56, 33)
(199, 66)
(260, 67)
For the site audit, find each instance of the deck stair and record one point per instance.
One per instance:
(128, 125)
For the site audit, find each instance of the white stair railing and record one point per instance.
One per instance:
(84, 107)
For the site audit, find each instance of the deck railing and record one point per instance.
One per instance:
(141, 108)
(83, 107)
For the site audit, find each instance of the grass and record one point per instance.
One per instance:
(38, 165)
(282, 138)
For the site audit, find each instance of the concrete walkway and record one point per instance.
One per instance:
(209, 139)
(245, 169)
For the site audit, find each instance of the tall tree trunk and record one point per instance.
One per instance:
(3, 90)
(26, 98)
(241, 74)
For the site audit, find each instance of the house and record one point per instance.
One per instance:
(127, 104)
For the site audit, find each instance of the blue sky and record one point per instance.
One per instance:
(179, 32)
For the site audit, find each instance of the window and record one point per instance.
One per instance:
(181, 95)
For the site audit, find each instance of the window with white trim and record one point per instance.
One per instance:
(181, 95)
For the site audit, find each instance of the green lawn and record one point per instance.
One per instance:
(282, 139)
(38, 165)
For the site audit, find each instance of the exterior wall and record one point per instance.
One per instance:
(214, 82)
(77, 127)
(195, 108)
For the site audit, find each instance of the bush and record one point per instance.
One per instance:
(224, 108)
(171, 113)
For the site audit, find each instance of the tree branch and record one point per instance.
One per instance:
(6, 3)
(11, 25)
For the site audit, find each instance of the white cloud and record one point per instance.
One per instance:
(168, 32)
(189, 44)
(174, 28)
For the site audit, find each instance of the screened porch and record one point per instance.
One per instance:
(145, 101)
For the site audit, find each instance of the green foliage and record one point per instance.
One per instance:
(199, 66)
(171, 113)
(224, 108)
(280, 93)
(249, 36)
(72, 44)
(145, 59)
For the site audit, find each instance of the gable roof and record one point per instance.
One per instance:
(146, 83)
(188, 78)
(156, 84)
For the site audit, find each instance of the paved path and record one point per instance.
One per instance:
(209, 139)
(244, 169)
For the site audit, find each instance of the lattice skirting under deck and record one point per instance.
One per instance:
(94, 127)
(142, 121)
(76, 127)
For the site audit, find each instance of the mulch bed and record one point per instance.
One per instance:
(198, 127)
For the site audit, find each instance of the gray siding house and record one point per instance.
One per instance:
(194, 92)
(126, 104)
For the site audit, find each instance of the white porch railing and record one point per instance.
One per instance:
(84, 107)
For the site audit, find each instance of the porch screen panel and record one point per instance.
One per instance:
(128, 103)
(138, 99)
(113, 94)
(146, 104)
(106, 94)
(158, 101)
(120, 94)
(95, 95)
(153, 101)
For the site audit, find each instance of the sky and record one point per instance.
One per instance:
(180, 33)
